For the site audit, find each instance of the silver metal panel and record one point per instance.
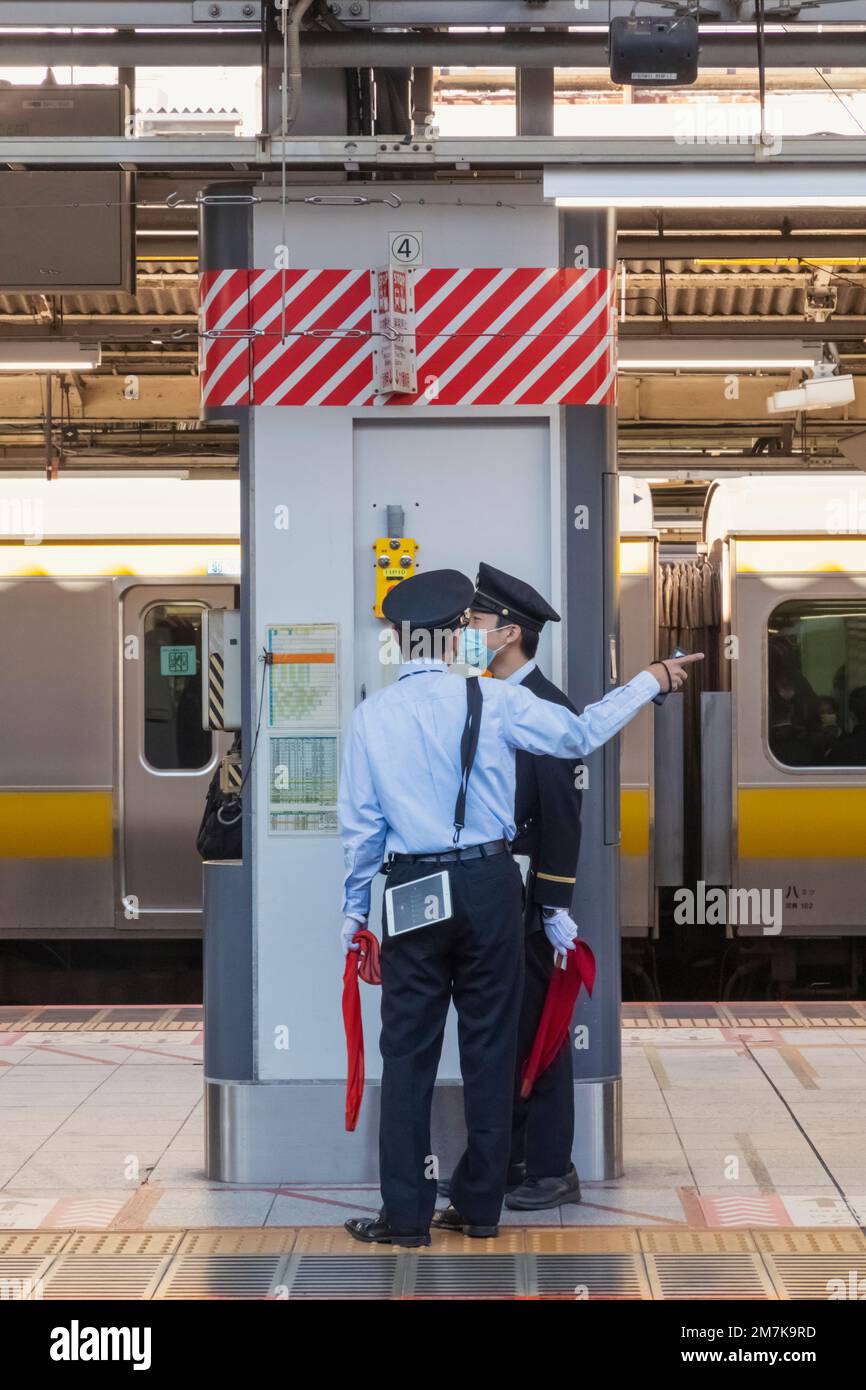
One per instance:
(833, 164)
(65, 231)
(228, 971)
(161, 809)
(56, 897)
(669, 803)
(56, 694)
(295, 1132)
(597, 1149)
(716, 788)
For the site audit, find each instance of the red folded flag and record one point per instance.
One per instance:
(559, 1005)
(363, 963)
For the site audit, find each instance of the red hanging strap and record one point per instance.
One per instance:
(363, 964)
(555, 1019)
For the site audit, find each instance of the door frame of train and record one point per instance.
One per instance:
(184, 588)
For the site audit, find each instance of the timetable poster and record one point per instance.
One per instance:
(304, 774)
(303, 679)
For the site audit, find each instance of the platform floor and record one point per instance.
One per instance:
(745, 1153)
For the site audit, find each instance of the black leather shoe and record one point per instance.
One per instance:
(451, 1220)
(539, 1194)
(516, 1176)
(373, 1230)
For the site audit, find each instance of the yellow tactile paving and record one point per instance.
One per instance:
(18, 1243)
(324, 1240)
(582, 1240)
(243, 1240)
(696, 1242)
(664, 1018)
(822, 1241)
(124, 1243)
(510, 1241)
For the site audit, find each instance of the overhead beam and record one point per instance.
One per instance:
(823, 163)
(371, 14)
(831, 47)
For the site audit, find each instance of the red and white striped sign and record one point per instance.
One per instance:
(482, 337)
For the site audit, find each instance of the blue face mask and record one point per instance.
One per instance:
(473, 649)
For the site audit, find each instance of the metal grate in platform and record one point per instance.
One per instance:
(708, 1276)
(466, 1276)
(104, 1276)
(225, 1276)
(21, 1276)
(581, 1277)
(338, 1276)
(839, 1276)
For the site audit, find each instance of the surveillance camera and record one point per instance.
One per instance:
(821, 393)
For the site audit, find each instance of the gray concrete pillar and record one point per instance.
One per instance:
(591, 635)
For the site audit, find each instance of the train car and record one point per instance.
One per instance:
(784, 743)
(104, 764)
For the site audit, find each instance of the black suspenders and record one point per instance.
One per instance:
(468, 745)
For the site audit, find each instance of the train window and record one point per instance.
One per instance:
(174, 739)
(816, 715)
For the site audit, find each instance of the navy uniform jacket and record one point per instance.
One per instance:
(547, 813)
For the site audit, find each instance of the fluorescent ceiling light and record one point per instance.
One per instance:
(714, 354)
(705, 184)
(60, 355)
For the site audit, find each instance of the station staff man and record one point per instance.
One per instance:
(509, 615)
(401, 774)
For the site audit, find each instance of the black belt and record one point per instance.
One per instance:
(452, 856)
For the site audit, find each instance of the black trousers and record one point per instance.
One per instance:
(476, 959)
(543, 1126)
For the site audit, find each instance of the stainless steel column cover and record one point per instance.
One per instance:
(591, 636)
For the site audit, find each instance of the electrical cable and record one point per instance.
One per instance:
(265, 659)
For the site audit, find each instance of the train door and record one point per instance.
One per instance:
(167, 759)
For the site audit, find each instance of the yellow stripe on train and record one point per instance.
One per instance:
(634, 821)
(802, 822)
(56, 825)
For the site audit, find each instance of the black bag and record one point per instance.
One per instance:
(219, 835)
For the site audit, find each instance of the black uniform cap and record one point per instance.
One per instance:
(511, 599)
(435, 599)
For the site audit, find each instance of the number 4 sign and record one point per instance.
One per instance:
(406, 248)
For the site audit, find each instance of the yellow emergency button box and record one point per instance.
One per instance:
(394, 560)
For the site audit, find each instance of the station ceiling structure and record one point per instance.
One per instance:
(717, 238)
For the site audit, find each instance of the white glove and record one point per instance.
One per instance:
(347, 932)
(560, 930)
